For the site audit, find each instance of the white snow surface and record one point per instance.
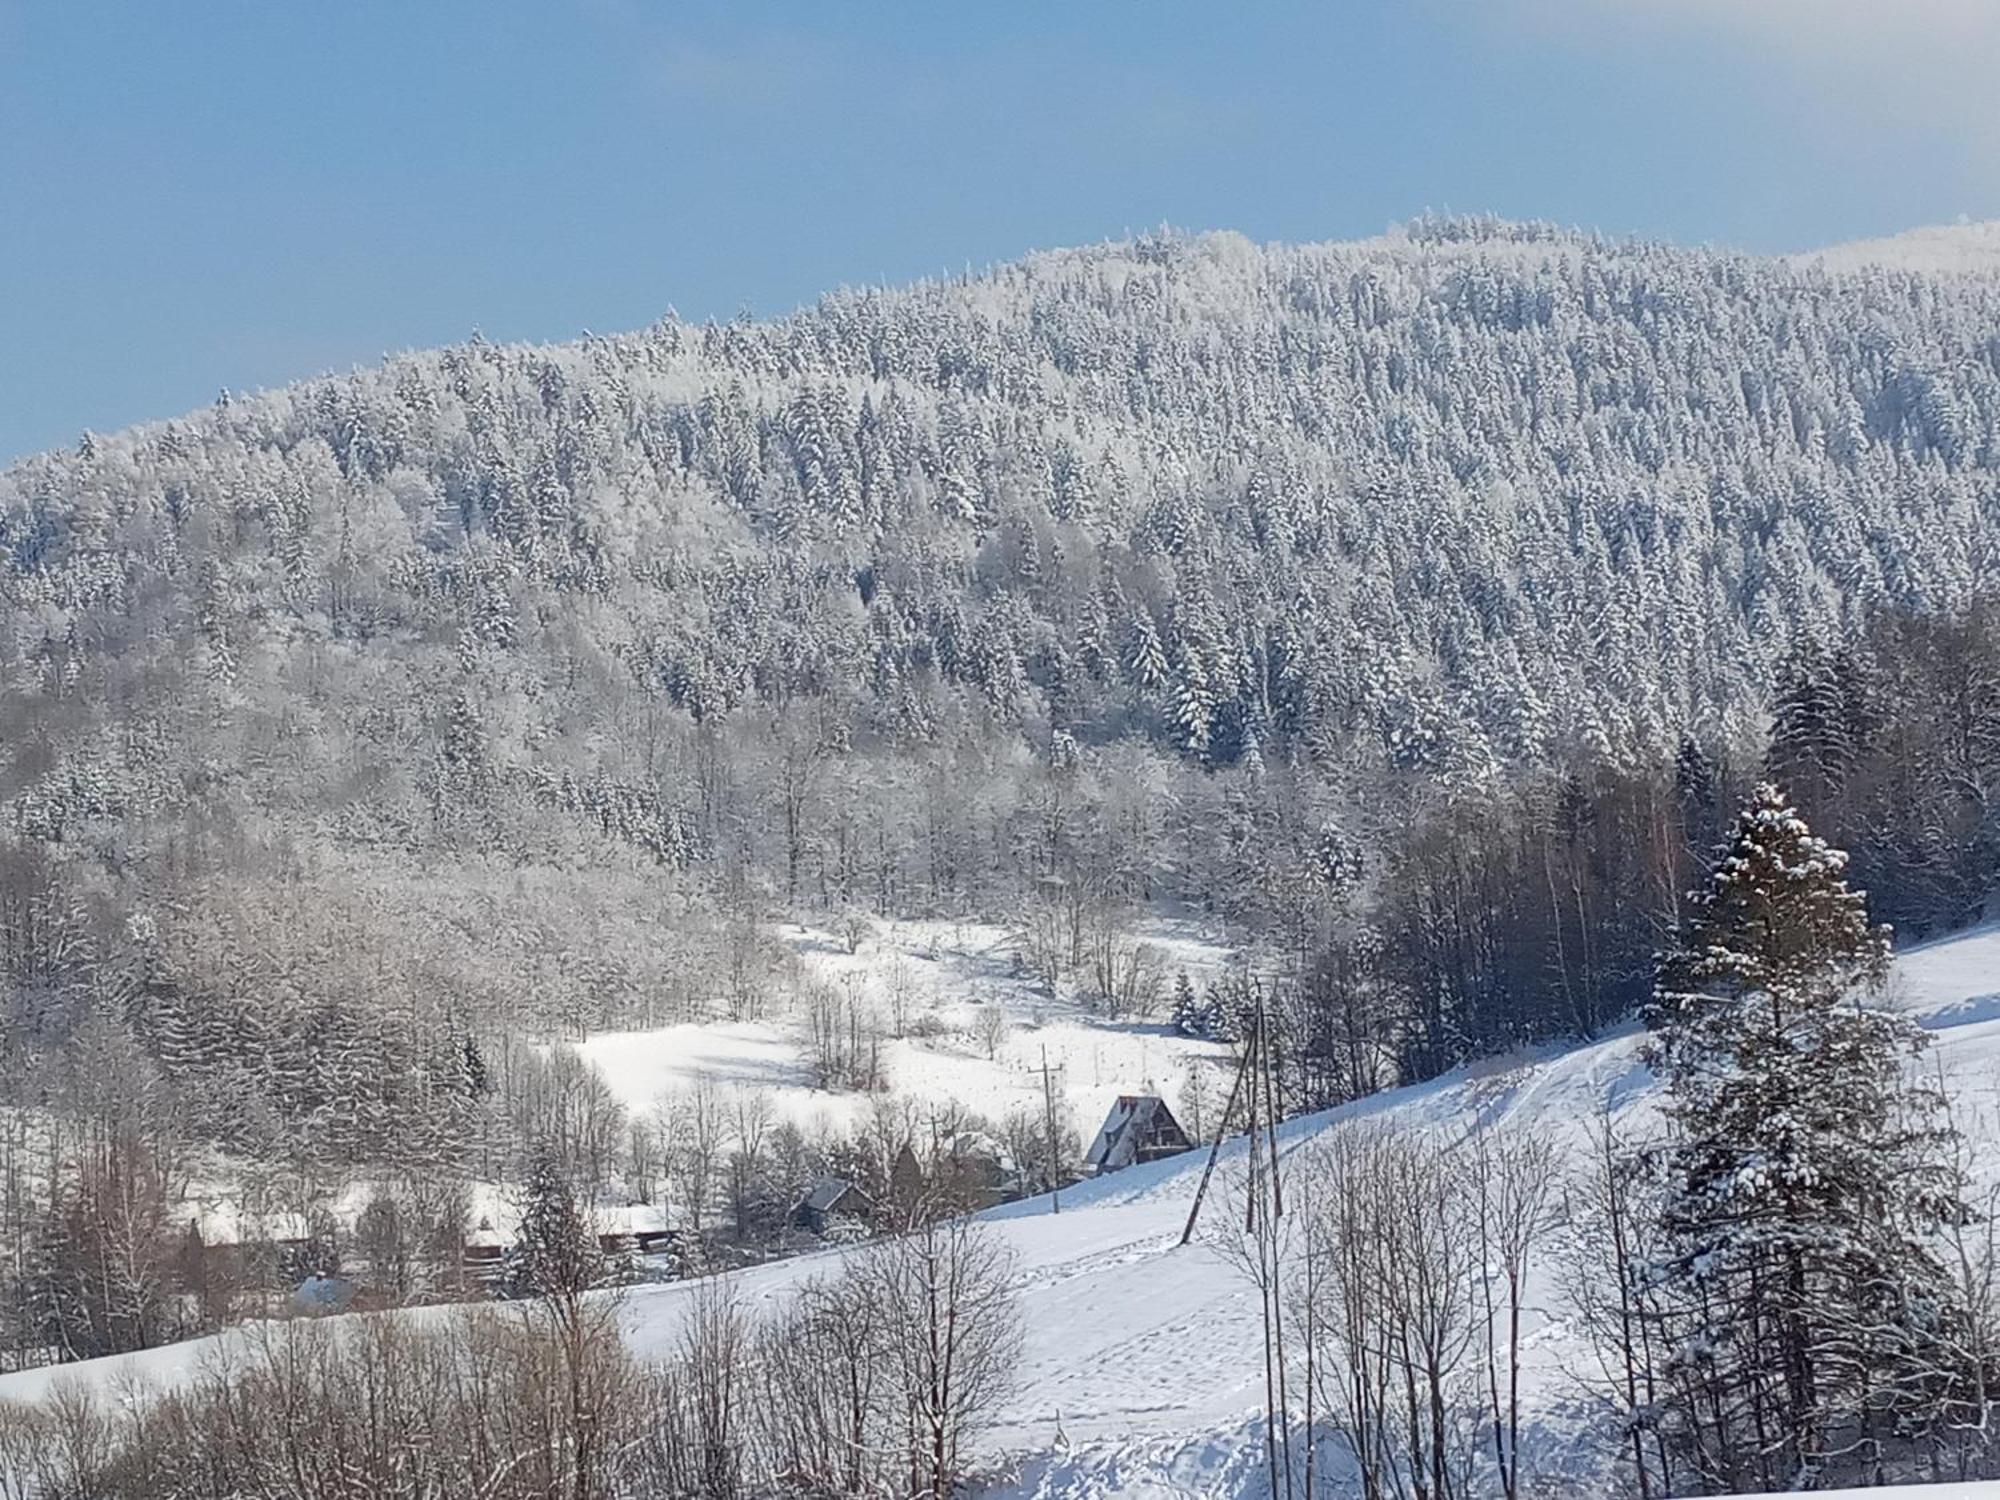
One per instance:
(1142, 1372)
(1938, 249)
(952, 970)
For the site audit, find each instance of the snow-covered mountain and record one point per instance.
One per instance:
(1142, 1376)
(381, 750)
(1937, 249)
(505, 689)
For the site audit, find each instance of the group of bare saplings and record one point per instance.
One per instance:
(871, 1380)
(1401, 1268)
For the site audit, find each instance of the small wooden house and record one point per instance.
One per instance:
(223, 1247)
(1140, 1128)
(643, 1228)
(829, 1199)
(485, 1248)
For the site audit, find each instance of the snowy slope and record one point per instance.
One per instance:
(1953, 982)
(1937, 249)
(1145, 1356)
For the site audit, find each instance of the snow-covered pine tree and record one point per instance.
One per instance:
(1222, 1010)
(1334, 862)
(1189, 1017)
(1145, 657)
(555, 1254)
(1192, 700)
(1812, 732)
(1804, 1170)
(181, 1041)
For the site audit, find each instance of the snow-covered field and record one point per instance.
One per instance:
(1142, 1373)
(949, 972)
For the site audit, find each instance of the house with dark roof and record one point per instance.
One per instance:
(828, 1199)
(1139, 1128)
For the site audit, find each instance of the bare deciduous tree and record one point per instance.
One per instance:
(944, 1291)
(1025, 1134)
(855, 927)
(828, 1417)
(1517, 1209)
(901, 988)
(751, 1114)
(1611, 1239)
(1392, 1256)
(560, 1102)
(843, 1039)
(1199, 1104)
(1125, 974)
(1050, 938)
(491, 1403)
(695, 1127)
(989, 1028)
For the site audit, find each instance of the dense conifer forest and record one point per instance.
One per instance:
(1416, 611)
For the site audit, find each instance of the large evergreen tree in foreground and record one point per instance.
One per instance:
(1806, 1175)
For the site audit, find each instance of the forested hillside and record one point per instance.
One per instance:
(1415, 609)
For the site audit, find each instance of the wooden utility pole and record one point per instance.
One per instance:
(1049, 1117)
(1270, 1103)
(1265, 1193)
(1253, 1184)
(1215, 1148)
(1273, 1277)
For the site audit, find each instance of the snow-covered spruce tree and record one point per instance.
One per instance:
(555, 1255)
(1189, 1018)
(1805, 1176)
(1223, 1005)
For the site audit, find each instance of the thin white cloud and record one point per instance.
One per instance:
(1852, 27)
(1925, 63)
(1896, 41)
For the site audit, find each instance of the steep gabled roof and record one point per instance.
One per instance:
(826, 1194)
(1131, 1116)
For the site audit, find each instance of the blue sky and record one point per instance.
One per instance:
(206, 193)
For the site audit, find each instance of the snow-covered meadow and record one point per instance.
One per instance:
(943, 975)
(1142, 1373)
